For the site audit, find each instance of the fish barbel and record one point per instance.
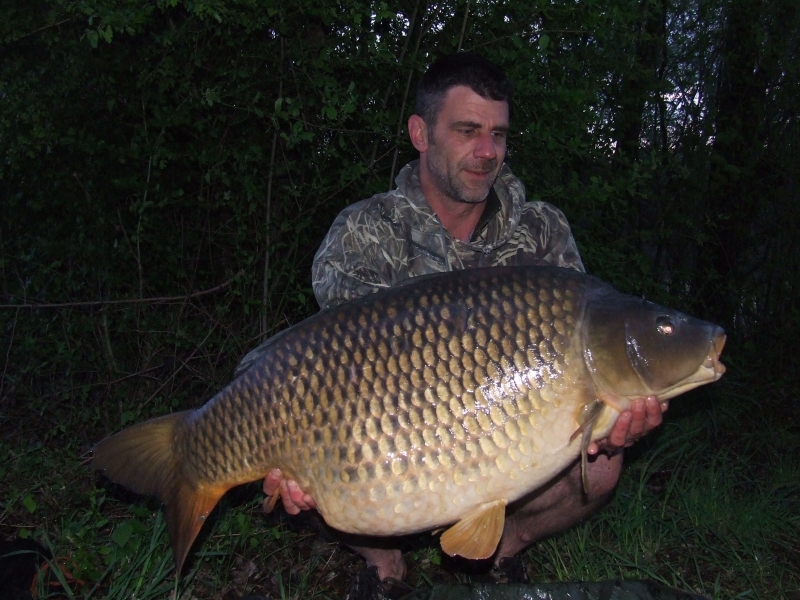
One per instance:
(435, 402)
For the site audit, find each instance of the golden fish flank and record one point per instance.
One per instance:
(432, 403)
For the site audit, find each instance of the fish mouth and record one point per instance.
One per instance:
(709, 371)
(712, 360)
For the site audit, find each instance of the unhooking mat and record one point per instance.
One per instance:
(602, 590)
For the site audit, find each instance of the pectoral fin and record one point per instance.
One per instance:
(476, 535)
(271, 501)
(585, 431)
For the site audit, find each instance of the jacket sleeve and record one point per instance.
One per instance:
(550, 234)
(361, 254)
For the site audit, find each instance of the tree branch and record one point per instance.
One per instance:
(155, 300)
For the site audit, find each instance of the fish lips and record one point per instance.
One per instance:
(708, 372)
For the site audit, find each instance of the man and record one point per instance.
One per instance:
(460, 207)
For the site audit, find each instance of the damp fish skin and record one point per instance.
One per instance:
(435, 402)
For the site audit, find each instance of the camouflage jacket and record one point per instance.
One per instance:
(380, 241)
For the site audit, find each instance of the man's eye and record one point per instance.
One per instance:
(467, 131)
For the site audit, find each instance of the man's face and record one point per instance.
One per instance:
(467, 146)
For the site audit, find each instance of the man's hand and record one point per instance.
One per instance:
(644, 416)
(294, 500)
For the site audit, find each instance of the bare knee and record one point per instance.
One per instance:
(603, 475)
(560, 505)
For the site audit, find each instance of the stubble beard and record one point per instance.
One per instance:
(446, 180)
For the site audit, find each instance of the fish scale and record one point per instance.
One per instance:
(445, 385)
(435, 402)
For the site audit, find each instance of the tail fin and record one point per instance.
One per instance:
(142, 458)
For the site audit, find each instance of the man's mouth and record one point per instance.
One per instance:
(481, 170)
(482, 173)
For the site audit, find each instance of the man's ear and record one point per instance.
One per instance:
(418, 132)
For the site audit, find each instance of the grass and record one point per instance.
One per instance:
(710, 503)
(688, 518)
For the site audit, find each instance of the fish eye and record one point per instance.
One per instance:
(665, 326)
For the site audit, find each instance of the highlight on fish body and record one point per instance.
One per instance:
(432, 404)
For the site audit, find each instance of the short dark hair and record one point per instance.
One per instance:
(479, 74)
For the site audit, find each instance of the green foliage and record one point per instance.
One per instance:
(695, 511)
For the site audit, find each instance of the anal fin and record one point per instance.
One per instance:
(186, 511)
(476, 536)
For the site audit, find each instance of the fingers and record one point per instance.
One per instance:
(618, 438)
(664, 404)
(644, 415)
(640, 411)
(272, 481)
(289, 504)
(653, 414)
(294, 499)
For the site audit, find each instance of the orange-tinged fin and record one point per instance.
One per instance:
(186, 513)
(270, 502)
(476, 536)
(142, 458)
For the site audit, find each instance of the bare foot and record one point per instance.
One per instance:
(388, 561)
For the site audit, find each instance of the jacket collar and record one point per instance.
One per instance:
(497, 223)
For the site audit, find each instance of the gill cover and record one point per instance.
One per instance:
(635, 348)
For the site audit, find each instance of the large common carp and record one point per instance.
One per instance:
(432, 403)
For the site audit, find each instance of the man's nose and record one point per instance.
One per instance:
(486, 147)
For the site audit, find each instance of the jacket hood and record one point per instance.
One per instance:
(510, 192)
